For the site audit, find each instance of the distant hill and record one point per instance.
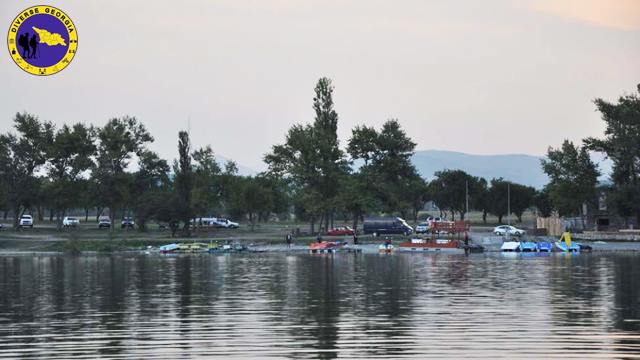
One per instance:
(242, 170)
(519, 168)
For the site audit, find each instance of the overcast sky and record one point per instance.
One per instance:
(484, 77)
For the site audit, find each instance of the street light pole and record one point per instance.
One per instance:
(466, 185)
(509, 204)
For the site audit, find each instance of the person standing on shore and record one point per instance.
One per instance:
(289, 240)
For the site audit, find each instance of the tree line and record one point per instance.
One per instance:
(50, 171)
(574, 186)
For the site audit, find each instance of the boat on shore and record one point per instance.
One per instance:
(386, 248)
(188, 247)
(566, 245)
(544, 246)
(169, 248)
(322, 247)
(227, 248)
(510, 246)
(528, 246)
(432, 245)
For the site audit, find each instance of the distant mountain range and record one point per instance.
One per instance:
(519, 168)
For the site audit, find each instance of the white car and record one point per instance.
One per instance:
(508, 230)
(422, 228)
(70, 221)
(26, 221)
(225, 223)
(104, 223)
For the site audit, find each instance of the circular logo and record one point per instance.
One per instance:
(42, 40)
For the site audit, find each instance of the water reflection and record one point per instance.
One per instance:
(302, 306)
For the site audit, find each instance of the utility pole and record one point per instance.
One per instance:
(508, 203)
(466, 185)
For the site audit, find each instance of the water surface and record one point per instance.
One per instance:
(326, 306)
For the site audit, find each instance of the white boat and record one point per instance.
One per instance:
(510, 246)
(168, 248)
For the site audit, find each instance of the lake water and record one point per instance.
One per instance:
(321, 306)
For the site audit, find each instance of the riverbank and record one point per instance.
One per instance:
(268, 238)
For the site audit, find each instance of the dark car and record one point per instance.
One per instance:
(340, 230)
(390, 225)
(127, 222)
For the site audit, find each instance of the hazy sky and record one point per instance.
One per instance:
(485, 77)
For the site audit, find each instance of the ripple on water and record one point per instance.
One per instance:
(302, 306)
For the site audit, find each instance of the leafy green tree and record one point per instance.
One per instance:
(251, 197)
(42, 198)
(522, 198)
(206, 184)
(573, 178)
(119, 140)
(20, 157)
(69, 157)
(86, 196)
(418, 195)
(184, 180)
(498, 198)
(151, 179)
(387, 171)
(450, 188)
(279, 195)
(621, 144)
(357, 199)
(479, 198)
(311, 158)
(166, 207)
(543, 203)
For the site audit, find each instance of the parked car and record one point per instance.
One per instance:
(26, 221)
(203, 222)
(104, 223)
(508, 230)
(340, 230)
(390, 225)
(127, 222)
(1, 226)
(422, 228)
(70, 221)
(225, 223)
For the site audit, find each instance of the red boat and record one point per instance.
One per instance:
(323, 247)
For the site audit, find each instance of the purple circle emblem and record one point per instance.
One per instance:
(42, 40)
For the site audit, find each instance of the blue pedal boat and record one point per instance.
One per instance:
(545, 246)
(566, 245)
(528, 246)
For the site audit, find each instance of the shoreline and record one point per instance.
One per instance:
(272, 238)
(368, 247)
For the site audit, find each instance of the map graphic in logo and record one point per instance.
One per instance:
(42, 40)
